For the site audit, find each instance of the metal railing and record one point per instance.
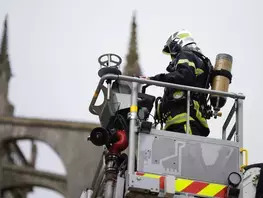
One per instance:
(237, 107)
(226, 124)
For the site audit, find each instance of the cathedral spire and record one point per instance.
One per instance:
(7, 109)
(132, 66)
(4, 62)
(4, 44)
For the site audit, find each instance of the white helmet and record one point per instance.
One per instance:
(178, 40)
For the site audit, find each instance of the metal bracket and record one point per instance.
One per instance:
(142, 184)
(145, 127)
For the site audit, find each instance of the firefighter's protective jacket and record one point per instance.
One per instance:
(186, 69)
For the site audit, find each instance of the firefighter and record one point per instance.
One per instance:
(187, 67)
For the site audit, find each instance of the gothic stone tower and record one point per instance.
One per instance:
(18, 179)
(6, 108)
(132, 66)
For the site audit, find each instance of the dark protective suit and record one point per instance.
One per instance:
(186, 69)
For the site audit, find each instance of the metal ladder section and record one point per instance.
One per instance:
(169, 164)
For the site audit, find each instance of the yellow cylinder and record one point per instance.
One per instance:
(222, 79)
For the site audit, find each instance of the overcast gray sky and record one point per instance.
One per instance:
(54, 46)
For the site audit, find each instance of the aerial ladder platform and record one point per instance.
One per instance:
(141, 160)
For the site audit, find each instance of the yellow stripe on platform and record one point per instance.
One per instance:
(153, 176)
(181, 184)
(211, 190)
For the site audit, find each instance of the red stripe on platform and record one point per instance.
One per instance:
(221, 193)
(139, 173)
(195, 187)
(162, 182)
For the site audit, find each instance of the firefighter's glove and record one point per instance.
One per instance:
(158, 77)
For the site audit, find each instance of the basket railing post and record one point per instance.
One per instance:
(239, 121)
(188, 113)
(239, 126)
(239, 136)
(132, 128)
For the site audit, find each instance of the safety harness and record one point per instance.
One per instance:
(201, 98)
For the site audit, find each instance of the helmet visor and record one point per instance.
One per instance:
(166, 50)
